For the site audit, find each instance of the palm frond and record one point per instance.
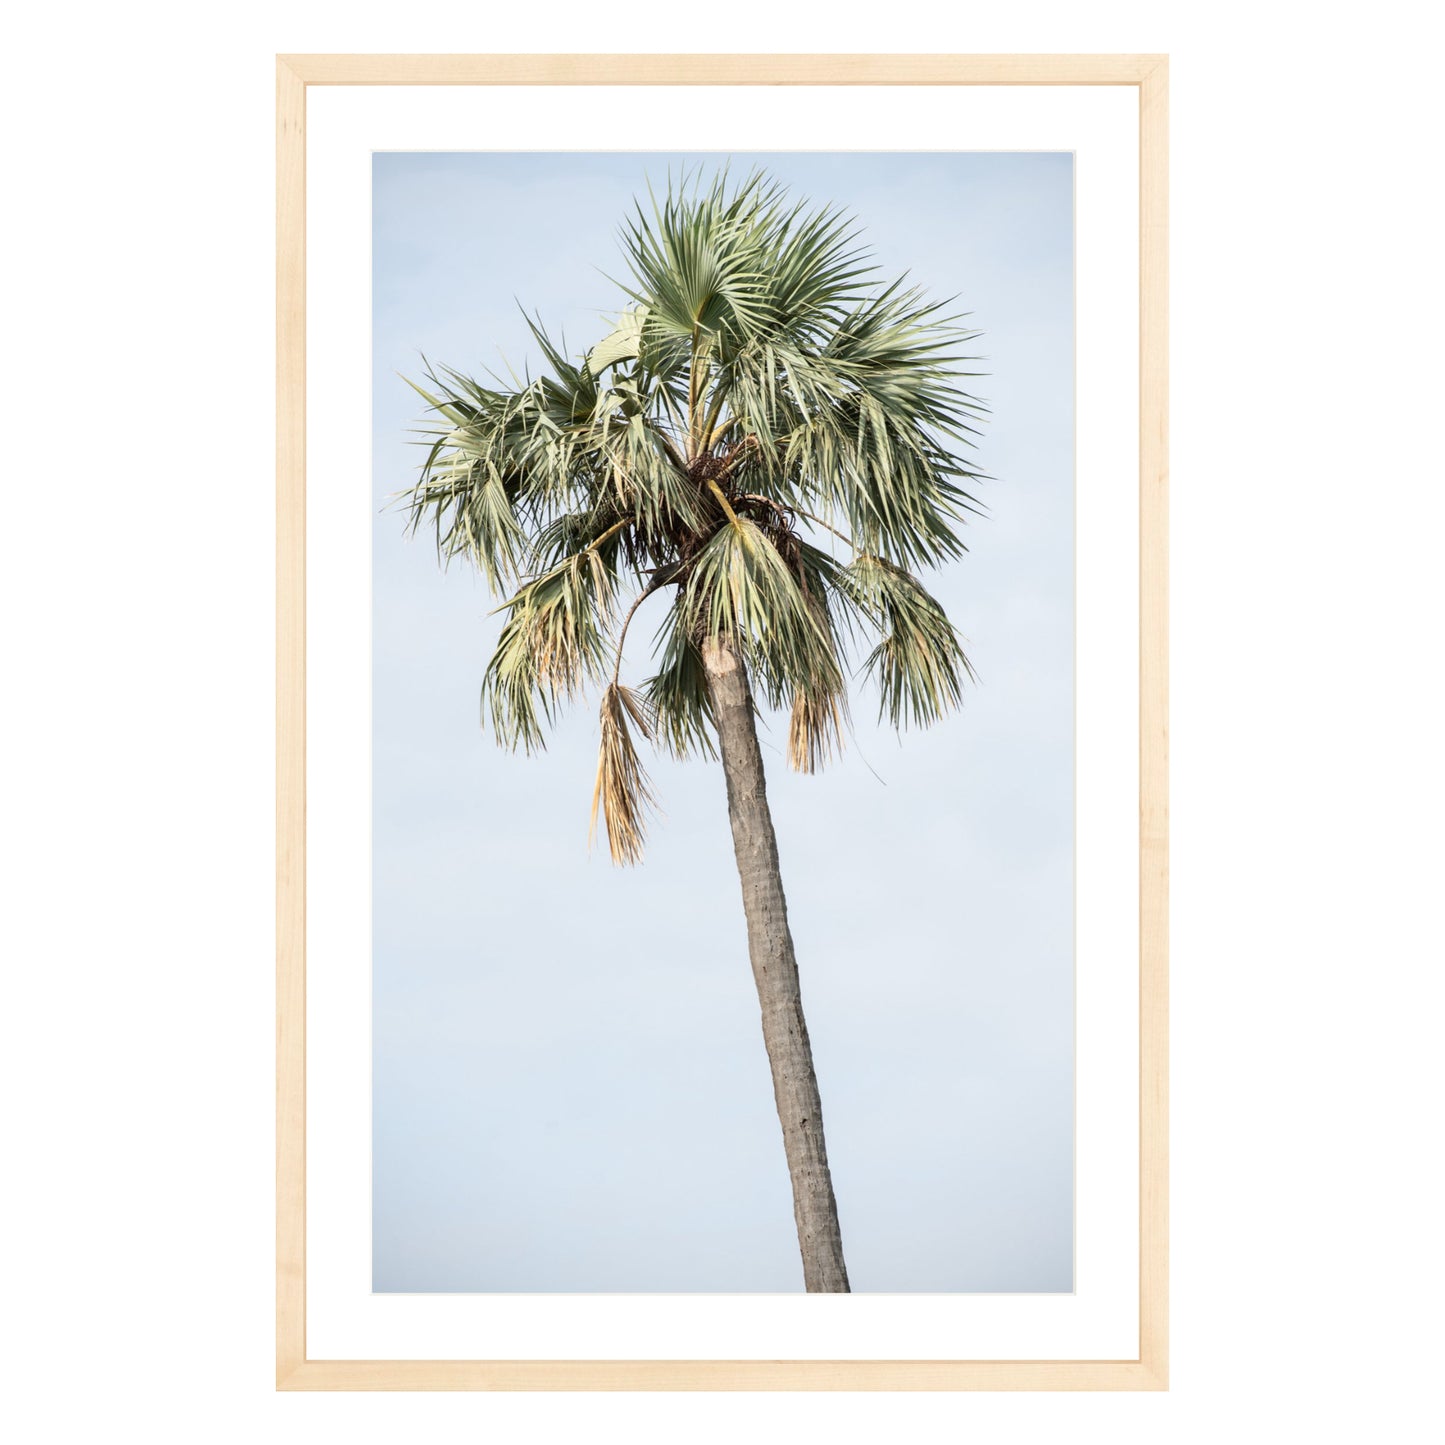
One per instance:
(699, 261)
(815, 730)
(622, 344)
(553, 642)
(741, 588)
(677, 694)
(622, 787)
(919, 664)
(468, 486)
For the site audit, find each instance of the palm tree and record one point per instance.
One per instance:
(762, 393)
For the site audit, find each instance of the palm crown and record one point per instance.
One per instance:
(762, 399)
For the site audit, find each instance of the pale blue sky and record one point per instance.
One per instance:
(570, 1086)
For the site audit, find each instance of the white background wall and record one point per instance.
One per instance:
(137, 606)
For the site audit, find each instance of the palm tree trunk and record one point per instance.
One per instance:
(775, 970)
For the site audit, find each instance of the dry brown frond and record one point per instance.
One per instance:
(815, 732)
(622, 787)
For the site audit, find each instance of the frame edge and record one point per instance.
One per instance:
(617, 1376)
(1154, 719)
(726, 69)
(290, 722)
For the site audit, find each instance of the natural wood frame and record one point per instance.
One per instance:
(294, 73)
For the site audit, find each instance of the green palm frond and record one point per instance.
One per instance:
(553, 642)
(622, 344)
(699, 261)
(677, 693)
(469, 484)
(919, 663)
(742, 588)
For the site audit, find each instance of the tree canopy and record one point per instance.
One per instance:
(770, 430)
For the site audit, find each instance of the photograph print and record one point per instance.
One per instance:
(723, 757)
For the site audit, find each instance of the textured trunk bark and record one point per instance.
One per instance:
(775, 970)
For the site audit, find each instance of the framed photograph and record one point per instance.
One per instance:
(722, 688)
